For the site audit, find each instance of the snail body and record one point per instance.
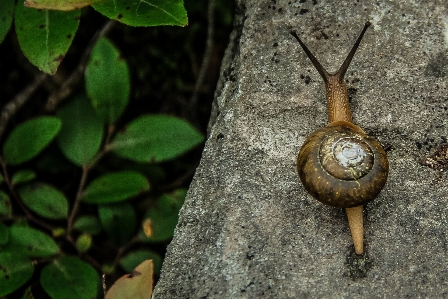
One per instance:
(340, 165)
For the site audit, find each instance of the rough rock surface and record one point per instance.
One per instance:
(248, 229)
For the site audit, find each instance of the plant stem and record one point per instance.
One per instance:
(205, 60)
(29, 216)
(11, 108)
(71, 218)
(123, 249)
(85, 171)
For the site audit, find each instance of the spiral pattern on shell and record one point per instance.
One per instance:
(342, 166)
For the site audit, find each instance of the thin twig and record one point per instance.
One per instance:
(85, 171)
(28, 214)
(180, 181)
(12, 218)
(71, 218)
(93, 262)
(66, 89)
(206, 59)
(123, 249)
(10, 109)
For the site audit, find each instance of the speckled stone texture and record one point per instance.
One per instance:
(248, 229)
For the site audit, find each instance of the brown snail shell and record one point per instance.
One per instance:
(341, 166)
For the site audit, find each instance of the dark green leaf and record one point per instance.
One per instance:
(88, 224)
(15, 270)
(4, 234)
(134, 258)
(114, 187)
(30, 138)
(31, 242)
(119, 221)
(163, 219)
(45, 35)
(107, 81)
(82, 131)
(45, 200)
(59, 4)
(154, 138)
(145, 13)
(5, 204)
(156, 173)
(6, 13)
(23, 176)
(70, 278)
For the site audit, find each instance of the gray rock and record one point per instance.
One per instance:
(248, 228)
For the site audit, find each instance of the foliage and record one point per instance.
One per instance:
(45, 34)
(61, 194)
(79, 279)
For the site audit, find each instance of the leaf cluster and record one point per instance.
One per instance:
(57, 228)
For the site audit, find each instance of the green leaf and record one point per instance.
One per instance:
(59, 4)
(45, 200)
(88, 224)
(31, 242)
(70, 278)
(23, 176)
(15, 270)
(134, 258)
(136, 286)
(154, 138)
(45, 35)
(6, 13)
(29, 138)
(5, 204)
(83, 243)
(145, 12)
(4, 234)
(107, 81)
(114, 187)
(163, 219)
(119, 221)
(82, 131)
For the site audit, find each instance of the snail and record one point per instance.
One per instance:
(340, 165)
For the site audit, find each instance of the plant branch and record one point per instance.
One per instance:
(71, 218)
(11, 108)
(123, 249)
(28, 214)
(66, 89)
(180, 180)
(206, 58)
(85, 171)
